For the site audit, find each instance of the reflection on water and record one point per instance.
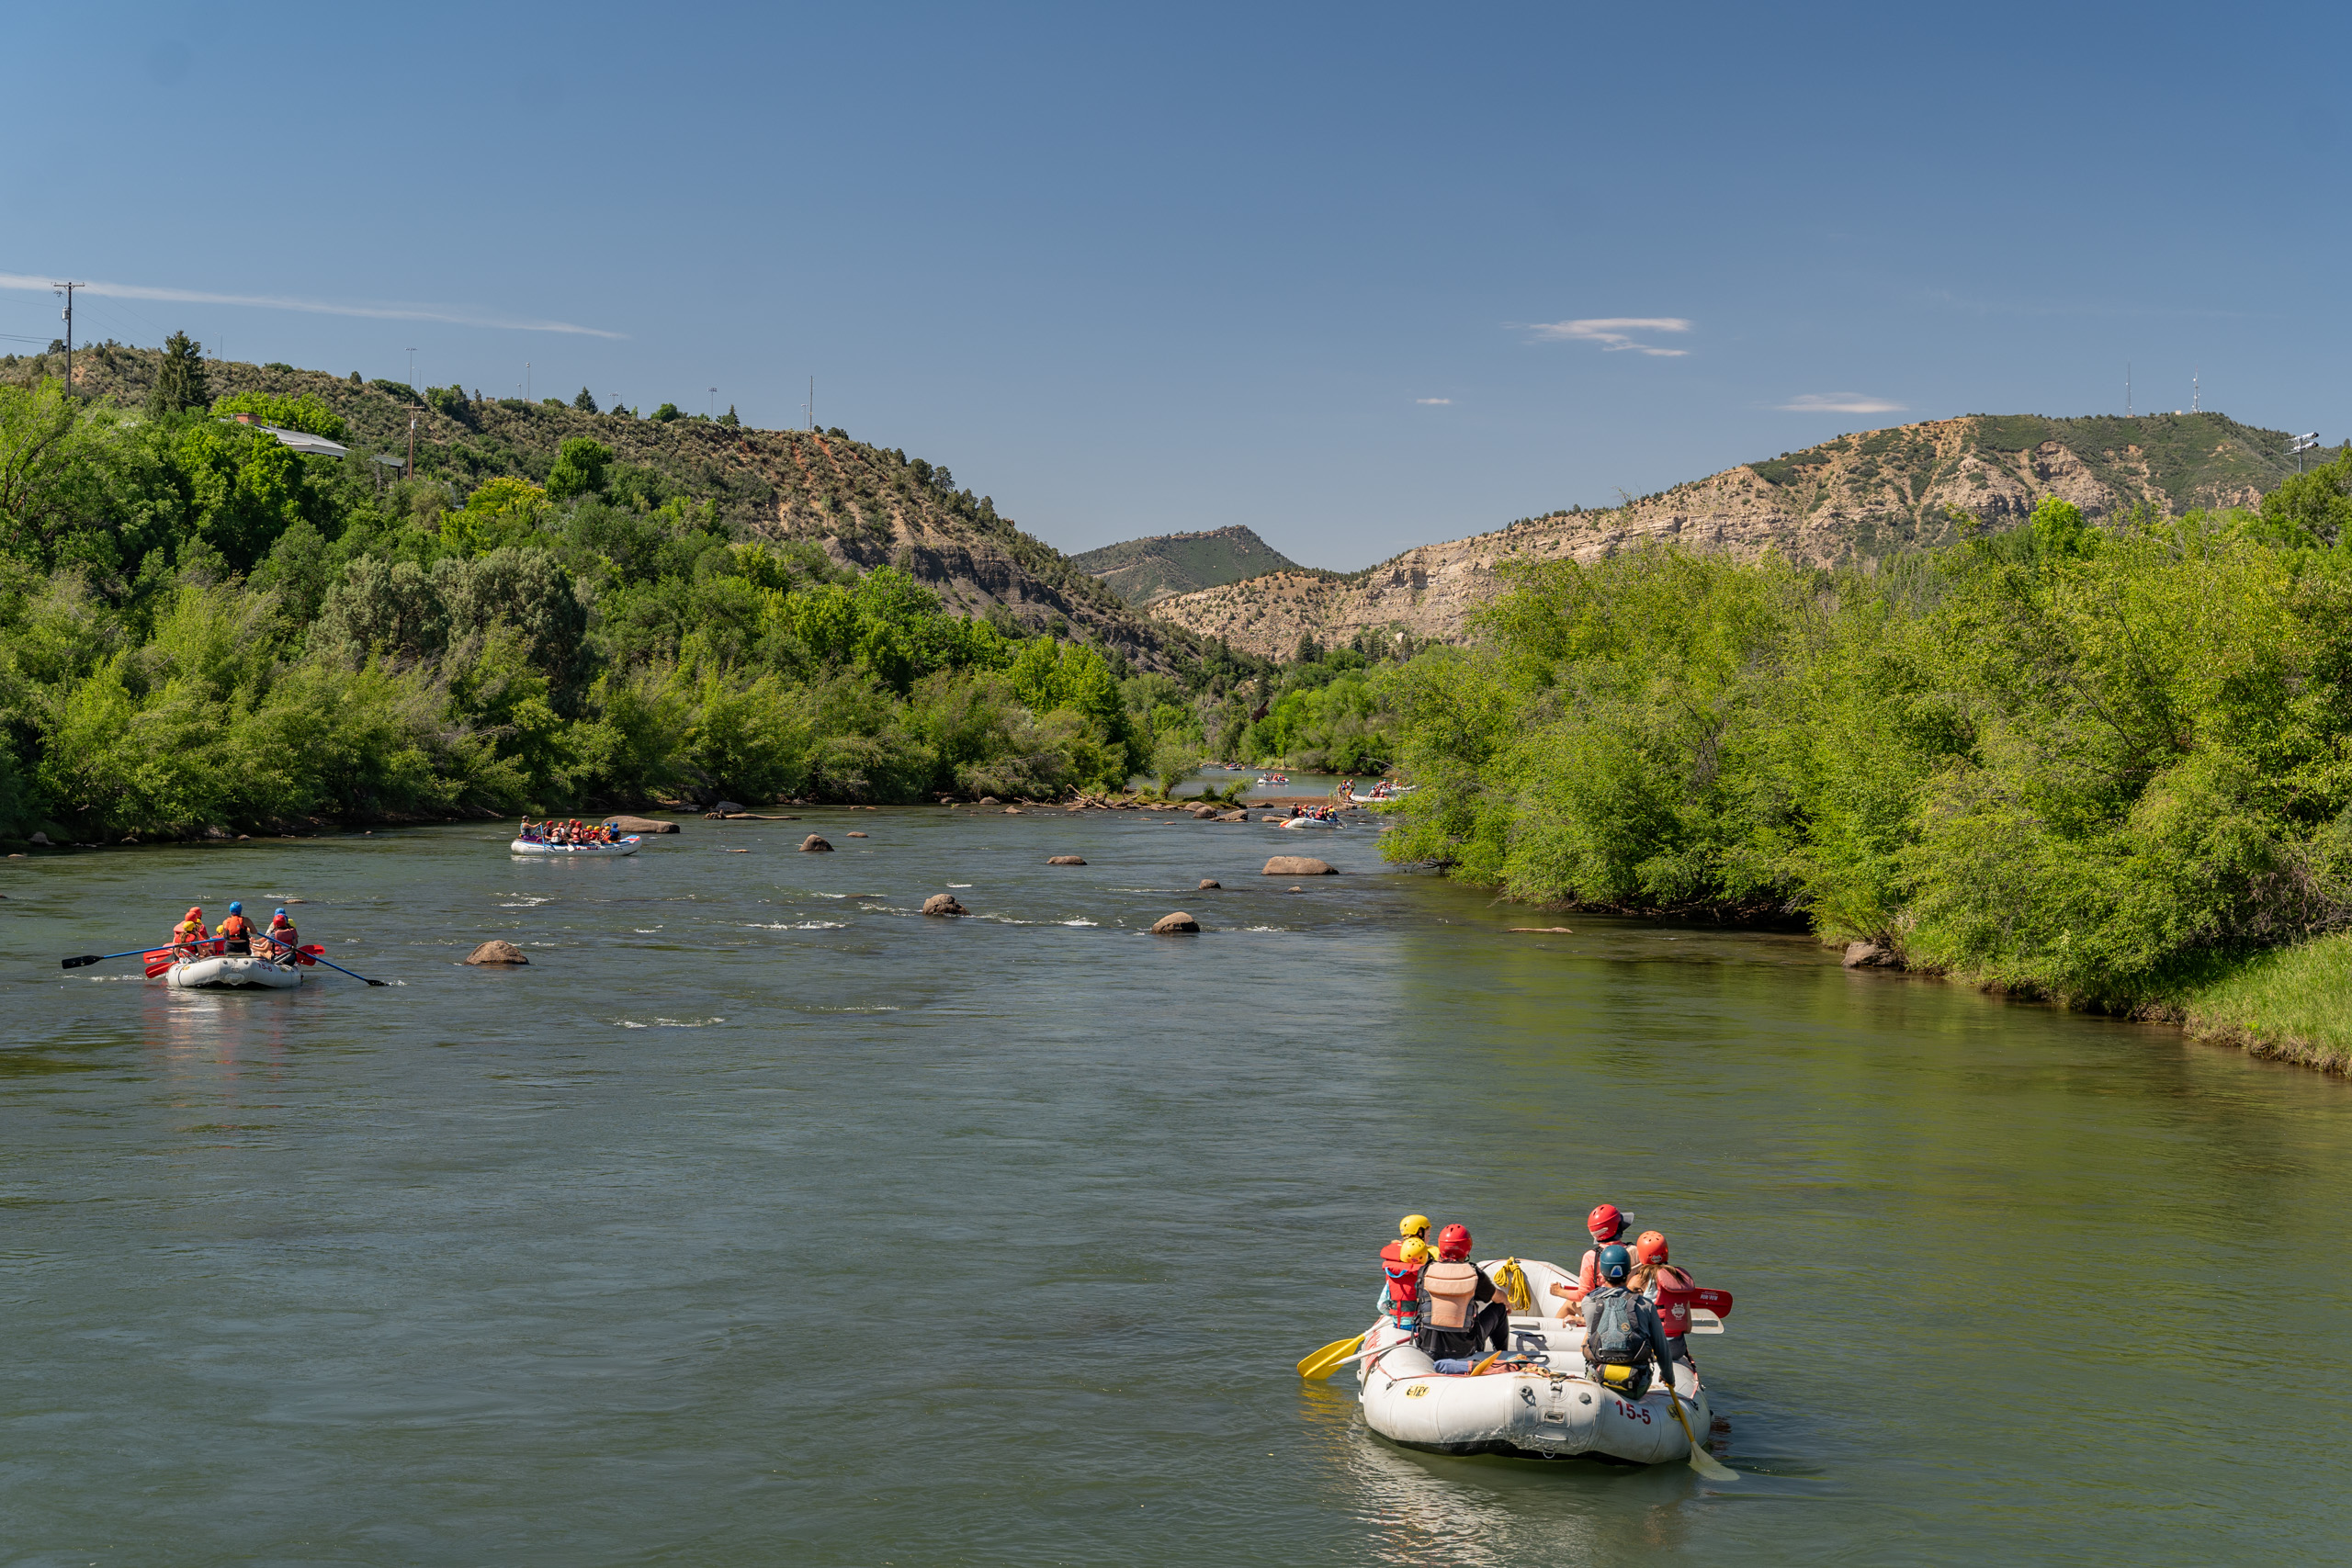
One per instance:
(763, 1220)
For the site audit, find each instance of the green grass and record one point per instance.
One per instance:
(2294, 1004)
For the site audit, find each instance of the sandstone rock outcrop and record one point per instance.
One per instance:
(1298, 865)
(1209, 883)
(812, 844)
(639, 825)
(944, 903)
(1178, 924)
(496, 950)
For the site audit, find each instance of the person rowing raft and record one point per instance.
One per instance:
(189, 936)
(236, 932)
(281, 941)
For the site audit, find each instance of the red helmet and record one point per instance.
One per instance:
(1651, 1248)
(1604, 1222)
(1453, 1242)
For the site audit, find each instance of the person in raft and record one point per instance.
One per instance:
(1459, 1316)
(236, 932)
(1624, 1340)
(1604, 1224)
(189, 936)
(1401, 1262)
(282, 941)
(1667, 1288)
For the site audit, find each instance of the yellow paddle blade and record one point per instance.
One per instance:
(1702, 1461)
(1326, 1362)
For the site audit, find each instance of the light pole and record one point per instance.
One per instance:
(714, 403)
(411, 368)
(2301, 444)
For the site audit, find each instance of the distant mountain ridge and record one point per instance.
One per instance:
(1854, 499)
(1145, 570)
(864, 505)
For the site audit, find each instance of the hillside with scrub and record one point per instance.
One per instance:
(204, 630)
(1144, 572)
(1846, 502)
(2108, 766)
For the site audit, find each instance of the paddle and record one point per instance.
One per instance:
(1328, 1360)
(100, 957)
(1702, 1461)
(321, 958)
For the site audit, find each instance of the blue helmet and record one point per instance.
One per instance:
(1615, 1263)
(235, 908)
(280, 916)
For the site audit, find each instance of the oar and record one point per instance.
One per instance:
(321, 958)
(1702, 1461)
(1328, 1360)
(100, 957)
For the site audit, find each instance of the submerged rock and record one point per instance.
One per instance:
(944, 903)
(1209, 882)
(496, 950)
(1064, 860)
(1179, 923)
(855, 834)
(1298, 865)
(639, 825)
(812, 844)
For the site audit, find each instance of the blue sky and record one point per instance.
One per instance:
(1358, 277)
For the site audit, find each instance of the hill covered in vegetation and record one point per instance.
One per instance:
(205, 629)
(1855, 499)
(1144, 572)
(863, 505)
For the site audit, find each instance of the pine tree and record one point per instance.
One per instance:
(585, 402)
(179, 380)
(729, 417)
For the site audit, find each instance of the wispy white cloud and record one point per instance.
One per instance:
(1838, 402)
(448, 315)
(1615, 333)
(1435, 403)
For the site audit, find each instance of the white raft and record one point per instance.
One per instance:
(1552, 1411)
(535, 847)
(1308, 822)
(231, 970)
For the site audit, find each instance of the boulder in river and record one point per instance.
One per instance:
(1204, 812)
(1298, 865)
(1208, 883)
(1064, 860)
(725, 808)
(812, 845)
(639, 825)
(497, 952)
(1177, 924)
(1232, 817)
(989, 800)
(40, 838)
(856, 834)
(944, 903)
(1869, 955)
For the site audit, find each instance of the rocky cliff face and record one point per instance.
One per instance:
(1847, 501)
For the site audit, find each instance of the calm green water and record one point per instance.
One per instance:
(761, 1221)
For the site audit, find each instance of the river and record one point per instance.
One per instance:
(761, 1219)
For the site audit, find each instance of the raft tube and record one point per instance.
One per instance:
(534, 847)
(1550, 1410)
(232, 970)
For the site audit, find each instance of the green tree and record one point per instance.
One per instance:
(665, 413)
(179, 380)
(729, 417)
(579, 468)
(585, 402)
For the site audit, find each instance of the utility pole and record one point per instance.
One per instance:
(67, 289)
(714, 403)
(409, 473)
(411, 368)
(2301, 444)
(527, 381)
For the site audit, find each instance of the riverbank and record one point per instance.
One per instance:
(2290, 1005)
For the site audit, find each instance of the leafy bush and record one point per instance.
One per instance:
(304, 414)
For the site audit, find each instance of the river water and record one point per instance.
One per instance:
(761, 1220)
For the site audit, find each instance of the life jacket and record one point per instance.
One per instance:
(285, 935)
(1673, 1292)
(1450, 1294)
(236, 928)
(187, 933)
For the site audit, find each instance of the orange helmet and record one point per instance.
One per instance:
(1453, 1242)
(195, 914)
(1605, 1222)
(1651, 1248)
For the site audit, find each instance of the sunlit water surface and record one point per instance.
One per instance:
(761, 1219)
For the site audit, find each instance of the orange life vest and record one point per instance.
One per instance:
(189, 933)
(1404, 1281)
(236, 925)
(1451, 1291)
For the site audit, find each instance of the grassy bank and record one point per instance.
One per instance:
(2293, 1004)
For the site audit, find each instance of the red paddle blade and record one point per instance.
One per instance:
(1716, 1301)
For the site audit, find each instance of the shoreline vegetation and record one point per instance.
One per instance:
(2108, 767)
